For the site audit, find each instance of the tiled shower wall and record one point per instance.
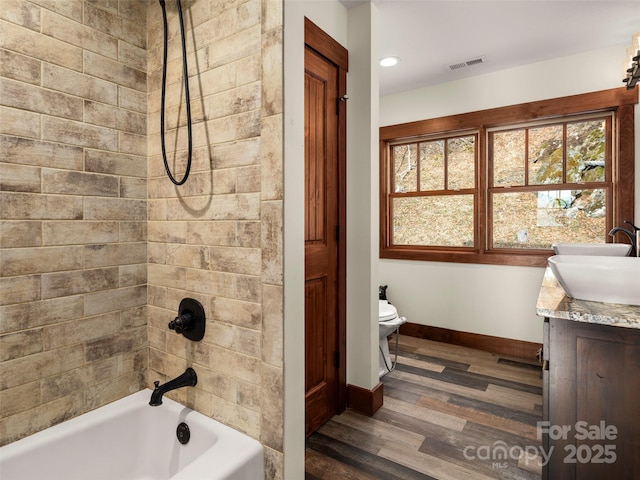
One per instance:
(75, 313)
(218, 237)
(72, 208)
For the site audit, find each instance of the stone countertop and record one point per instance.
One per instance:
(554, 302)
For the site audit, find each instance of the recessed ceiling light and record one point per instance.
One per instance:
(389, 61)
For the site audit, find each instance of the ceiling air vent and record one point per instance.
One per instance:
(468, 63)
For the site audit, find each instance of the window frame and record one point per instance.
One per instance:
(619, 101)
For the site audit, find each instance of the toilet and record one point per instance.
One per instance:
(388, 322)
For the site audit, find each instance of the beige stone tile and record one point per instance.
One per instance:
(100, 208)
(170, 232)
(112, 71)
(21, 13)
(114, 389)
(156, 210)
(25, 151)
(237, 127)
(249, 179)
(102, 255)
(235, 47)
(35, 206)
(135, 317)
(221, 233)
(40, 47)
(75, 33)
(20, 234)
(20, 344)
(38, 313)
(100, 161)
(67, 182)
(124, 29)
(19, 178)
(114, 117)
(272, 73)
(34, 99)
(244, 206)
(133, 188)
(161, 187)
(157, 253)
(25, 261)
(72, 10)
(272, 246)
(133, 231)
(271, 158)
(31, 421)
(192, 256)
(249, 69)
(132, 56)
(115, 299)
(273, 462)
(167, 276)
(134, 11)
(249, 234)
(18, 67)
(273, 325)
(108, 5)
(236, 312)
(19, 122)
(73, 233)
(272, 411)
(132, 99)
(236, 260)
(272, 14)
(75, 282)
(156, 296)
(40, 365)
(238, 339)
(64, 384)
(230, 102)
(119, 343)
(81, 330)
(132, 143)
(211, 283)
(20, 398)
(79, 134)
(76, 83)
(248, 288)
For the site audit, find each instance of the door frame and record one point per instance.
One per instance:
(319, 41)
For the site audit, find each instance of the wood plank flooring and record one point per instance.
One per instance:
(449, 413)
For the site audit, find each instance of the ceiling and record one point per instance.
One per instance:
(430, 35)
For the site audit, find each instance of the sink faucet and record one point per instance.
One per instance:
(629, 234)
(187, 379)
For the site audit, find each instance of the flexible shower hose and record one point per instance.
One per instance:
(186, 94)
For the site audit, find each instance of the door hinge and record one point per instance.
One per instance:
(337, 359)
(337, 233)
(545, 365)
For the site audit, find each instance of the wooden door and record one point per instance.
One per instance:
(324, 248)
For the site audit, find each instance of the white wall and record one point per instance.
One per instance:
(491, 300)
(353, 29)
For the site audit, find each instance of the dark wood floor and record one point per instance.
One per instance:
(449, 413)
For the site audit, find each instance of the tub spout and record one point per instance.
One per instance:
(187, 379)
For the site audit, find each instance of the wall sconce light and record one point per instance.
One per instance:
(631, 68)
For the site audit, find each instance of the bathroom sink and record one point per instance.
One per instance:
(598, 278)
(600, 249)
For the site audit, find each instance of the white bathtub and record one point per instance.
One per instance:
(130, 440)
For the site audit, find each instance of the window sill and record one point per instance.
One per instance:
(536, 258)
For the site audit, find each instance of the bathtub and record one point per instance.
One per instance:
(130, 440)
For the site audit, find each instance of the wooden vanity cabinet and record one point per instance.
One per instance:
(591, 389)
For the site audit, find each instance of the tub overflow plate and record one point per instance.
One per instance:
(183, 433)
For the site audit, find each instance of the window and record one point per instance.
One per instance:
(501, 186)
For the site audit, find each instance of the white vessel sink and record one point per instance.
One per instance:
(599, 278)
(600, 249)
